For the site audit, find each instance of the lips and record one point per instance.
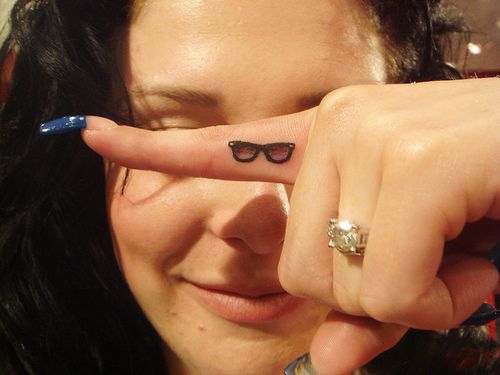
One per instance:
(243, 304)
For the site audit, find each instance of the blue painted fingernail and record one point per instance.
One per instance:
(494, 256)
(485, 314)
(301, 366)
(63, 125)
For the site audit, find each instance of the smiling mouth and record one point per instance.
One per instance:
(243, 308)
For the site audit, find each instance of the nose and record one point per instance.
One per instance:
(252, 216)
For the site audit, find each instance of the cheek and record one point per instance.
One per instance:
(154, 221)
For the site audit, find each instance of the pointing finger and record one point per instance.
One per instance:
(205, 152)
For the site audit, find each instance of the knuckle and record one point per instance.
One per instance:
(336, 99)
(390, 307)
(376, 308)
(347, 95)
(287, 279)
(344, 101)
(354, 118)
(387, 310)
(296, 280)
(411, 149)
(346, 297)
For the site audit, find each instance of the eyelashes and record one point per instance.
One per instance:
(170, 122)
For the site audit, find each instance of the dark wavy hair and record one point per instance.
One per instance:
(65, 307)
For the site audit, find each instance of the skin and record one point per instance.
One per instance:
(406, 278)
(370, 153)
(170, 229)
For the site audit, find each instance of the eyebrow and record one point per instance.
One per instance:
(179, 94)
(210, 99)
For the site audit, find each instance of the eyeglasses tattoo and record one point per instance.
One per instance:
(246, 152)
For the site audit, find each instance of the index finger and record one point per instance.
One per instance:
(203, 152)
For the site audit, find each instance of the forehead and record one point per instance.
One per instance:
(296, 16)
(217, 42)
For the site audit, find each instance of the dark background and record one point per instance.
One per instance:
(484, 18)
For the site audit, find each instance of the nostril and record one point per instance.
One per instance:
(258, 225)
(237, 244)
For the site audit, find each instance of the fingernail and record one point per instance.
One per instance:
(485, 314)
(301, 366)
(63, 125)
(494, 256)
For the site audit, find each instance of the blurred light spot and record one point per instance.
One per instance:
(473, 48)
(498, 23)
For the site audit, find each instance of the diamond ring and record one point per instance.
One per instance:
(346, 237)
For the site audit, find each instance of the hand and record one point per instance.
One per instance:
(413, 163)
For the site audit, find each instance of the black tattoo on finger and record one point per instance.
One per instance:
(246, 152)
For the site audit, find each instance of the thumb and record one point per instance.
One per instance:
(344, 343)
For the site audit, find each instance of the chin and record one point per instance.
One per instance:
(261, 359)
(201, 343)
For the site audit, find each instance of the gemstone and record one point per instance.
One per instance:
(344, 236)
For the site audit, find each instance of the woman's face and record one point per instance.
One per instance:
(201, 255)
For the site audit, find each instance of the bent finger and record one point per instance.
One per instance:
(404, 281)
(205, 152)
